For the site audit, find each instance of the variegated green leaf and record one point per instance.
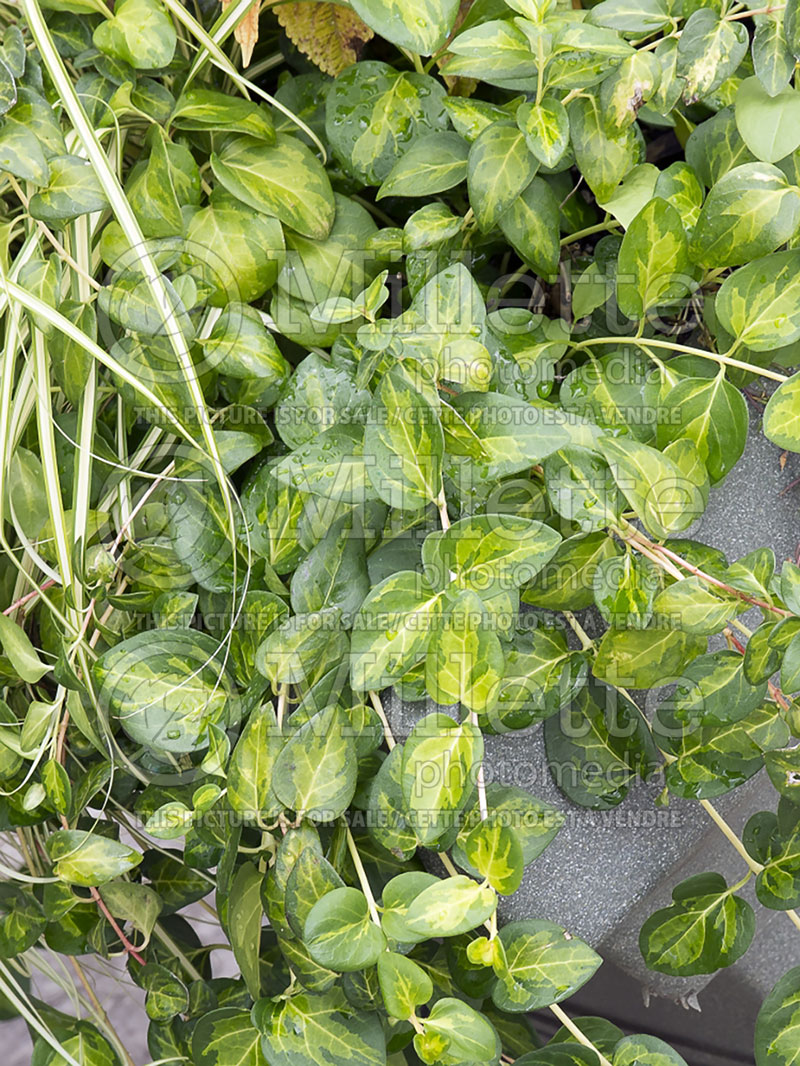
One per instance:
(644, 1050)
(494, 50)
(466, 1034)
(440, 758)
(140, 33)
(603, 160)
(315, 772)
(630, 86)
(655, 487)
(500, 168)
(493, 849)
(84, 858)
(653, 265)
(749, 212)
(709, 51)
(451, 906)
(474, 552)
(404, 442)
(164, 687)
(73, 190)
(581, 487)
(297, 1030)
(282, 179)
(543, 965)
(206, 109)
(340, 933)
(778, 1022)
(712, 413)
(421, 26)
(227, 1037)
(464, 663)
(392, 629)
(644, 658)
(778, 884)
(331, 465)
(758, 303)
(773, 62)
(404, 984)
(531, 226)
(705, 928)
(546, 129)
(245, 917)
(374, 114)
(250, 771)
(782, 415)
(434, 163)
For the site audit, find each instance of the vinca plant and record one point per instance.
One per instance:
(359, 361)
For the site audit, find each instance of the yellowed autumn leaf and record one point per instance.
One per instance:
(331, 35)
(246, 33)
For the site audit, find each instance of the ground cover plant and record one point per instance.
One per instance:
(358, 347)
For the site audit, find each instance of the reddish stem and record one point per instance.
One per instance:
(131, 950)
(736, 643)
(774, 691)
(29, 596)
(719, 584)
(112, 921)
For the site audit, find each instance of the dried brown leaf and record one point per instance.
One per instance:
(246, 33)
(331, 35)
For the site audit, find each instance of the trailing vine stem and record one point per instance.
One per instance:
(665, 558)
(375, 700)
(363, 880)
(651, 342)
(444, 517)
(733, 839)
(100, 1011)
(281, 705)
(191, 970)
(112, 921)
(588, 231)
(480, 780)
(579, 1035)
(62, 426)
(755, 867)
(448, 864)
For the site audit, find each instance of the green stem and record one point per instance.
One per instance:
(375, 700)
(657, 552)
(512, 280)
(733, 839)
(541, 63)
(724, 360)
(170, 944)
(741, 627)
(730, 836)
(448, 864)
(444, 517)
(712, 812)
(362, 878)
(568, 1023)
(599, 227)
(480, 780)
(755, 11)
(100, 1012)
(281, 709)
(415, 59)
(578, 630)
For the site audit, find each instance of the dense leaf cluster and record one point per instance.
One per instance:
(364, 365)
